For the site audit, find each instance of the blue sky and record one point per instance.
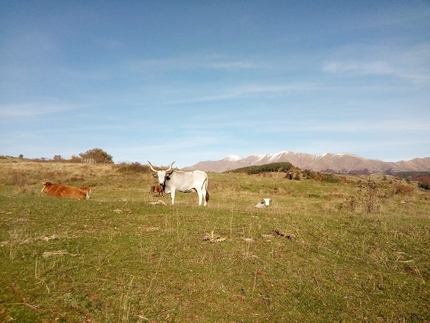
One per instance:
(198, 80)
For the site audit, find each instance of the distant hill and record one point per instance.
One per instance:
(334, 163)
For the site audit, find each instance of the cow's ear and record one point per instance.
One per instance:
(155, 175)
(167, 177)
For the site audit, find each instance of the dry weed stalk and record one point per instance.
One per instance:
(124, 303)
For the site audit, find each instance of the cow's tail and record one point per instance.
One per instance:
(206, 184)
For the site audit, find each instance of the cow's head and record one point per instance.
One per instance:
(162, 175)
(45, 185)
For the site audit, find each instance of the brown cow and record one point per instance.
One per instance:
(57, 190)
(157, 189)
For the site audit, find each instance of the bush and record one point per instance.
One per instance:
(126, 168)
(319, 177)
(98, 155)
(20, 180)
(330, 178)
(425, 186)
(403, 189)
(75, 159)
(273, 167)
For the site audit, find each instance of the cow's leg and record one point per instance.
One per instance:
(204, 197)
(173, 197)
(200, 198)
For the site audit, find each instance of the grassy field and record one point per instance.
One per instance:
(353, 251)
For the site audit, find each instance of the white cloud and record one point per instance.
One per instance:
(354, 67)
(330, 125)
(198, 94)
(193, 61)
(395, 60)
(30, 109)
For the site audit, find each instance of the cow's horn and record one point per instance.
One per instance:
(150, 165)
(170, 168)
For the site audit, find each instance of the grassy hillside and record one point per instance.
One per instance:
(352, 250)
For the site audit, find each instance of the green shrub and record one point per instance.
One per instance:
(129, 168)
(425, 186)
(273, 167)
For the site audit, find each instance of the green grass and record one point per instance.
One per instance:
(116, 258)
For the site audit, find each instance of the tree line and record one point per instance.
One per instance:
(92, 156)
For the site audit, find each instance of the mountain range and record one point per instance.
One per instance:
(334, 163)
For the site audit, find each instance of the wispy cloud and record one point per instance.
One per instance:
(30, 110)
(109, 44)
(244, 90)
(232, 63)
(415, 74)
(330, 125)
(386, 60)
(355, 67)
(31, 45)
(193, 61)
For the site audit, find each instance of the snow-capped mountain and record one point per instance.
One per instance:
(232, 158)
(339, 163)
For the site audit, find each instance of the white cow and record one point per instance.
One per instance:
(173, 180)
(264, 203)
